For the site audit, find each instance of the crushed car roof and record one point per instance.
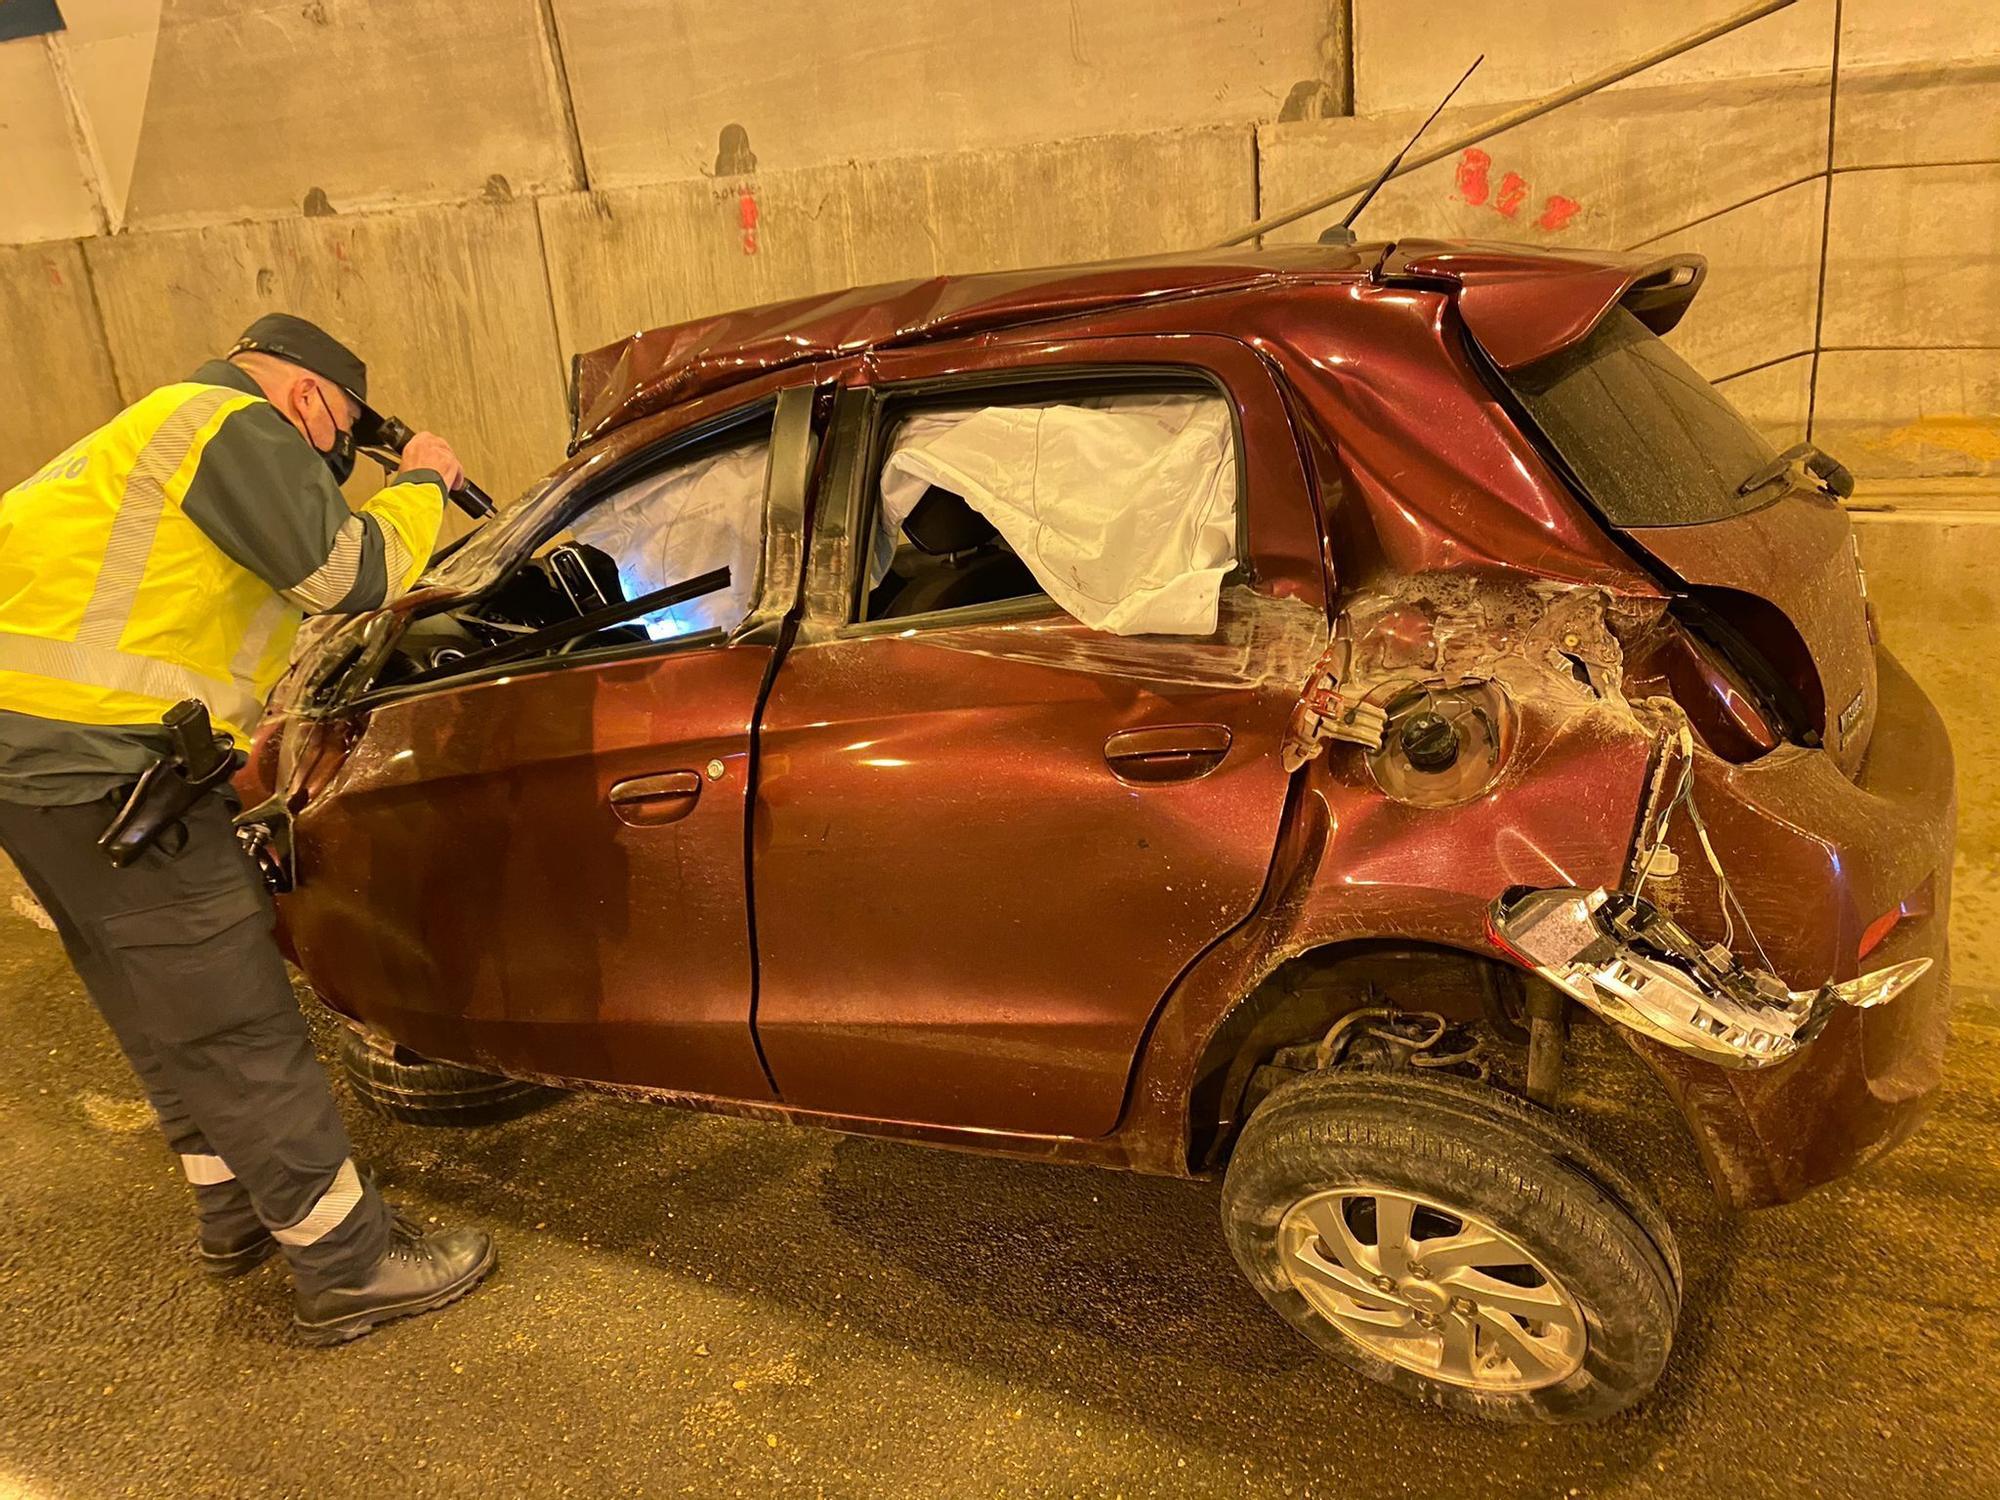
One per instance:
(1520, 303)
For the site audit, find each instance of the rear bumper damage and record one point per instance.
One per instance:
(1624, 958)
(1795, 1007)
(1838, 878)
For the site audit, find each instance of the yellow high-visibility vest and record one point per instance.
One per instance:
(115, 605)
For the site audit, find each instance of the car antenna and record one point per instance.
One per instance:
(1343, 232)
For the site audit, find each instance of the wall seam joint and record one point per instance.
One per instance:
(572, 135)
(1825, 224)
(125, 397)
(82, 140)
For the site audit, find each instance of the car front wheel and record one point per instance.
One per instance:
(1455, 1243)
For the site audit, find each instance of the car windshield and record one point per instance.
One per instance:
(1652, 443)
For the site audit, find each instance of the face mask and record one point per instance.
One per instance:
(340, 457)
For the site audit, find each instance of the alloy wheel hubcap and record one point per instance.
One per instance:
(1432, 1288)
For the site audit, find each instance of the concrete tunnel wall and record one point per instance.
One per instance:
(473, 191)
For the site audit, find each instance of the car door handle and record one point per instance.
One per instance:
(648, 801)
(1168, 752)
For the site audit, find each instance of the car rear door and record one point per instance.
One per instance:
(988, 840)
(543, 870)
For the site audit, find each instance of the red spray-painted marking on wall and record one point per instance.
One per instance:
(746, 216)
(1557, 211)
(1475, 186)
(1472, 184)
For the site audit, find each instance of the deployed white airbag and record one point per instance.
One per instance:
(674, 525)
(1124, 510)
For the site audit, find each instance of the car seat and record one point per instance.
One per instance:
(969, 562)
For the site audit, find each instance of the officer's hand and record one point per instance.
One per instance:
(429, 451)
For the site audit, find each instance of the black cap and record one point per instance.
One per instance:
(310, 347)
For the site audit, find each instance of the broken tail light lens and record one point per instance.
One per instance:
(1629, 962)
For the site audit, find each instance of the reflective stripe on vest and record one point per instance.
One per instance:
(35, 643)
(139, 511)
(125, 672)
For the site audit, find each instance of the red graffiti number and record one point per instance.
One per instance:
(1557, 211)
(1472, 184)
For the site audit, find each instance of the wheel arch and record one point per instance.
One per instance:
(1300, 996)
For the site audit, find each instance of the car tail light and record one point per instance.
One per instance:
(1628, 961)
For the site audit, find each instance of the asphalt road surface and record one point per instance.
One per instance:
(689, 1305)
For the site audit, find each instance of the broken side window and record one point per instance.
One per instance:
(1122, 509)
(680, 522)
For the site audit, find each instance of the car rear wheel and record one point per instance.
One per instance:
(1454, 1243)
(399, 1085)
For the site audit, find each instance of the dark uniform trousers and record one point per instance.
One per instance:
(177, 952)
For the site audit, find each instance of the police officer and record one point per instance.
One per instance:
(172, 554)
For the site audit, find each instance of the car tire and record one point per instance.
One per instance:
(399, 1085)
(1566, 1308)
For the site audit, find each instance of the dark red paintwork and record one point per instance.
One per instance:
(1523, 307)
(928, 896)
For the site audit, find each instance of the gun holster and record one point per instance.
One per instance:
(170, 786)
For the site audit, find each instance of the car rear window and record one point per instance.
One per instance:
(1652, 443)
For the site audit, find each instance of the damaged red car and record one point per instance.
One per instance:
(1224, 715)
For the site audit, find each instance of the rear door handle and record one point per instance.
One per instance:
(1167, 752)
(648, 801)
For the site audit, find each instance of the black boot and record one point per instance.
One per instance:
(419, 1273)
(233, 1252)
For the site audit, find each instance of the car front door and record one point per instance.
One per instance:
(988, 839)
(543, 870)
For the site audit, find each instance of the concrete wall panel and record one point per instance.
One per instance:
(1762, 292)
(371, 102)
(1912, 257)
(1774, 399)
(448, 306)
(1896, 413)
(1875, 32)
(808, 82)
(641, 257)
(1407, 55)
(42, 191)
(1612, 170)
(1918, 113)
(55, 381)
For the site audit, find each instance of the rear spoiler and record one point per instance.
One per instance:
(1524, 306)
